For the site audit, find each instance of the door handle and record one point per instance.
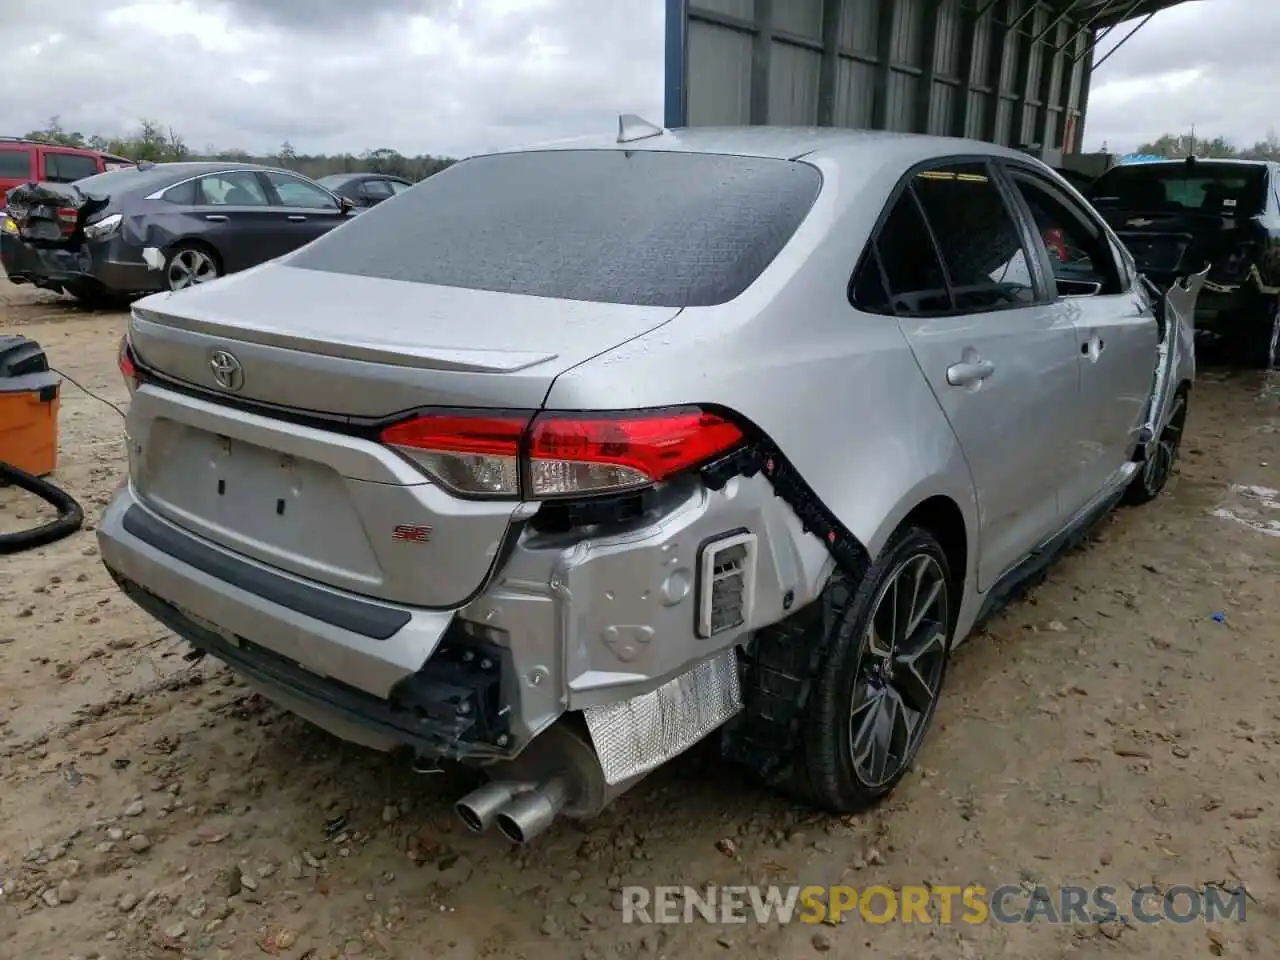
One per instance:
(216, 217)
(297, 217)
(969, 372)
(1093, 347)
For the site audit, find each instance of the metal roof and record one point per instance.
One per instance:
(1107, 13)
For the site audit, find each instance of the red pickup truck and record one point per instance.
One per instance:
(23, 161)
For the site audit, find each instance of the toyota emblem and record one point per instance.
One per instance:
(227, 372)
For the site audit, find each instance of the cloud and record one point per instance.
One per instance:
(1206, 63)
(436, 76)
(460, 76)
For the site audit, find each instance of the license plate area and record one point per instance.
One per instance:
(285, 510)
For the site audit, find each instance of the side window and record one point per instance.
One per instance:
(15, 164)
(299, 193)
(900, 273)
(398, 187)
(978, 237)
(68, 167)
(184, 193)
(377, 189)
(1078, 249)
(232, 189)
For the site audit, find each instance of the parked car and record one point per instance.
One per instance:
(365, 189)
(1179, 216)
(23, 160)
(161, 226)
(737, 430)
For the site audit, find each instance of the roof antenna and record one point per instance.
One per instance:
(632, 127)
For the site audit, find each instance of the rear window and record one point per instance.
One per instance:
(1204, 187)
(125, 180)
(645, 227)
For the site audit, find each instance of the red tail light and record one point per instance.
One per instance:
(128, 369)
(68, 217)
(561, 454)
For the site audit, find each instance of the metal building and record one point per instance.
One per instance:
(1011, 71)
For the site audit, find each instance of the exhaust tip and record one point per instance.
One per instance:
(470, 817)
(511, 829)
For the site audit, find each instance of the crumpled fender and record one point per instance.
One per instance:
(1176, 354)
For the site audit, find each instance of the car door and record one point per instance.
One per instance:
(1116, 333)
(232, 212)
(310, 210)
(998, 356)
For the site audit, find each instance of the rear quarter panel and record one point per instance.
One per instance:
(839, 392)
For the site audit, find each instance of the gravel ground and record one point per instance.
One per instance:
(1120, 727)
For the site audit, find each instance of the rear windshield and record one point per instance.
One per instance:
(648, 228)
(124, 180)
(1205, 187)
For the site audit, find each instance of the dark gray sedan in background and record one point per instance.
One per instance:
(365, 189)
(160, 226)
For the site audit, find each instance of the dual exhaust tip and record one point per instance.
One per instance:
(520, 811)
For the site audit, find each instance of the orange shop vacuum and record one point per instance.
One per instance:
(29, 393)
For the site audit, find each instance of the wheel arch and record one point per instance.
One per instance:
(950, 513)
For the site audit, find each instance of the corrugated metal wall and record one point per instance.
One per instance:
(999, 70)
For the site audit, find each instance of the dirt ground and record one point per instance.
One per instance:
(1119, 727)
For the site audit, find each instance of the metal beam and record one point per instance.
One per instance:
(675, 108)
(1058, 19)
(996, 36)
(928, 61)
(829, 68)
(1123, 40)
(1023, 53)
(884, 64)
(761, 45)
(961, 114)
(1049, 58)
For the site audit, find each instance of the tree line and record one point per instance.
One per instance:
(1175, 145)
(160, 143)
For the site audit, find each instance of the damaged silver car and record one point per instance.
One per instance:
(575, 455)
(160, 226)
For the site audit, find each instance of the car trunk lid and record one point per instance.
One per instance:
(1166, 244)
(286, 468)
(51, 214)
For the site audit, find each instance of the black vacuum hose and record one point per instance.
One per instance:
(70, 513)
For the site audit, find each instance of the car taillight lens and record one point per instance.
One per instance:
(594, 453)
(128, 369)
(68, 217)
(477, 455)
(561, 454)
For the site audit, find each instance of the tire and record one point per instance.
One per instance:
(853, 691)
(1153, 477)
(190, 264)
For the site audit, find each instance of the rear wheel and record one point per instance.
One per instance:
(1156, 470)
(190, 264)
(839, 697)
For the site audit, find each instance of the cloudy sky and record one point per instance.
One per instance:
(459, 76)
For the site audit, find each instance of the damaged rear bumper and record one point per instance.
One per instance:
(111, 265)
(608, 627)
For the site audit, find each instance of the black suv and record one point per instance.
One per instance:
(1177, 216)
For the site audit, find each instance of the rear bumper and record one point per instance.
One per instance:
(375, 673)
(112, 265)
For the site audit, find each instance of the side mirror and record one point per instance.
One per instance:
(345, 204)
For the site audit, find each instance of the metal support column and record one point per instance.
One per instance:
(962, 114)
(928, 66)
(829, 70)
(761, 45)
(888, 10)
